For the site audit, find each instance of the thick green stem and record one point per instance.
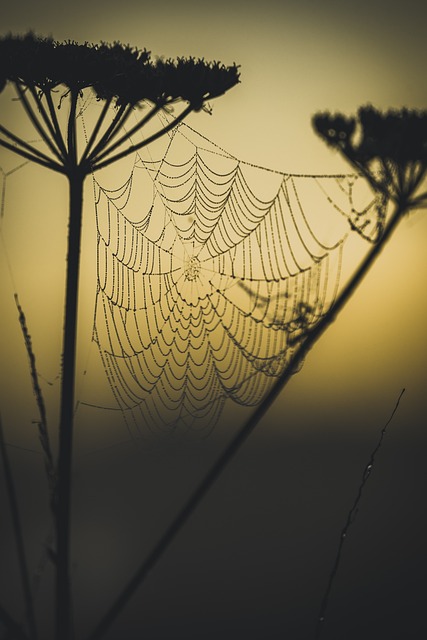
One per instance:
(63, 496)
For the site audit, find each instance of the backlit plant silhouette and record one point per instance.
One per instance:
(41, 70)
(389, 150)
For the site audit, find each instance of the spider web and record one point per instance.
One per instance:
(206, 290)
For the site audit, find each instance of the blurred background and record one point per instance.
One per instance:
(254, 560)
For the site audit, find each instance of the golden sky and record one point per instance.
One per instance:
(296, 58)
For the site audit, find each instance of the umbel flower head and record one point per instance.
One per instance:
(114, 71)
(389, 148)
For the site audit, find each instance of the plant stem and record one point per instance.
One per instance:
(96, 129)
(13, 628)
(161, 132)
(28, 151)
(108, 134)
(28, 156)
(59, 139)
(19, 539)
(63, 496)
(42, 422)
(50, 123)
(33, 118)
(351, 516)
(126, 136)
(232, 448)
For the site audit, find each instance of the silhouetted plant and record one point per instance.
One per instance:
(122, 77)
(388, 149)
(391, 152)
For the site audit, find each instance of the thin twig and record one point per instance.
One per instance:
(55, 132)
(16, 631)
(112, 129)
(349, 521)
(42, 422)
(33, 118)
(71, 132)
(96, 129)
(49, 164)
(63, 611)
(19, 540)
(145, 142)
(129, 133)
(59, 137)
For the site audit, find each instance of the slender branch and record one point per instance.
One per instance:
(96, 129)
(52, 111)
(20, 152)
(418, 201)
(349, 521)
(42, 423)
(233, 447)
(412, 175)
(71, 134)
(25, 145)
(110, 132)
(145, 142)
(32, 116)
(19, 540)
(417, 178)
(12, 626)
(54, 131)
(375, 184)
(388, 173)
(129, 133)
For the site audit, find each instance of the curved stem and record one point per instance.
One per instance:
(42, 422)
(218, 467)
(351, 516)
(28, 156)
